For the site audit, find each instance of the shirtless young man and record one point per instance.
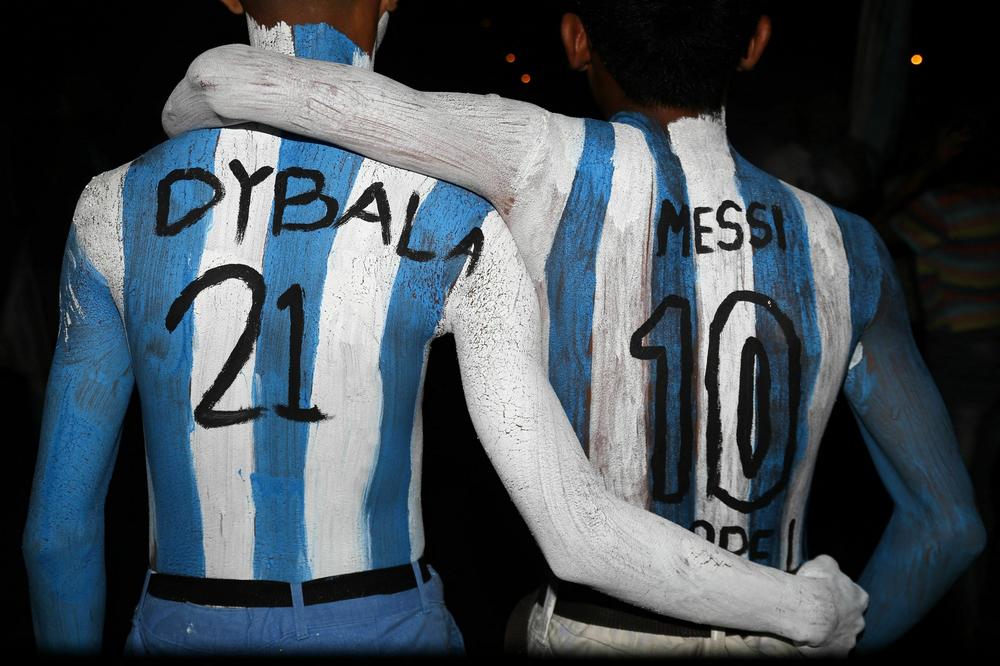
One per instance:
(687, 297)
(273, 299)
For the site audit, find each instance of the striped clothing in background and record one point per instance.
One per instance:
(955, 233)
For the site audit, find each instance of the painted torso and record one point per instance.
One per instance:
(681, 287)
(279, 297)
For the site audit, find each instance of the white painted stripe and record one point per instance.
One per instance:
(414, 507)
(343, 449)
(538, 205)
(703, 151)
(619, 399)
(98, 221)
(833, 315)
(224, 457)
(857, 356)
(278, 38)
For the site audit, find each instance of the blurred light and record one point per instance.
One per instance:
(510, 57)
(526, 78)
(486, 23)
(916, 59)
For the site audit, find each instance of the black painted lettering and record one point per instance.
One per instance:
(374, 192)
(282, 201)
(755, 382)
(403, 249)
(756, 552)
(293, 300)
(658, 353)
(762, 495)
(759, 225)
(720, 218)
(247, 183)
(790, 547)
(164, 227)
(699, 230)
(675, 221)
(471, 246)
(730, 531)
(779, 225)
(707, 526)
(204, 413)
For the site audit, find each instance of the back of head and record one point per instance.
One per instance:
(676, 53)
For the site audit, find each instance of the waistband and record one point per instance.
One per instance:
(273, 594)
(583, 604)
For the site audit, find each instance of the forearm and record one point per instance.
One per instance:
(67, 588)
(911, 569)
(591, 537)
(478, 142)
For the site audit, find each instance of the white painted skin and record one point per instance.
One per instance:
(702, 148)
(522, 160)
(226, 498)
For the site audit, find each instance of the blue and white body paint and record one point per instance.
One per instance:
(753, 298)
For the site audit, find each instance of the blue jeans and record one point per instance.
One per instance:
(410, 622)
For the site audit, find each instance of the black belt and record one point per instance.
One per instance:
(272, 593)
(582, 604)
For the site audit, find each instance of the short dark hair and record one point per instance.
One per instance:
(678, 53)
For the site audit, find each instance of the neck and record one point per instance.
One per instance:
(612, 100)
(665, 115)
(317, 41)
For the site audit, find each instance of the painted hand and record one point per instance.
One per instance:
(849, 604)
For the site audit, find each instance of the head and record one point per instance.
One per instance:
(663, 54)
(359, 20)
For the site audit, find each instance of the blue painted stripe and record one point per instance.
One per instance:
(86, 397)
(570, 272)
(157, 268)
(320, 41)
(673, 274)
(293, 257)
(786, 276)
(415, 308)
(865, 255)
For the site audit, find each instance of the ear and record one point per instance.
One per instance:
(761, 36)
(235, 6)
(576, 42)
(387, 6)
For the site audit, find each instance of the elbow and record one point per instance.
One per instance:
(963, 536)
(972, 539)
(568, 562)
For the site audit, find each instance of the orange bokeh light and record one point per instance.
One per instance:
(916, 59)
(526, 78)
(510, 57)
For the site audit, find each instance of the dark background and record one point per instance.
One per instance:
(85, 85)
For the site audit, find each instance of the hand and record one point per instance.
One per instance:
(849, 603)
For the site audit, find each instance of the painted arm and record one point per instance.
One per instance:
(934, 531)
(90, 383)
(481, 142)
(587, 534)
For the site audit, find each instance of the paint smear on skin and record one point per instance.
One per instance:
(857, 356)
(277, 38)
